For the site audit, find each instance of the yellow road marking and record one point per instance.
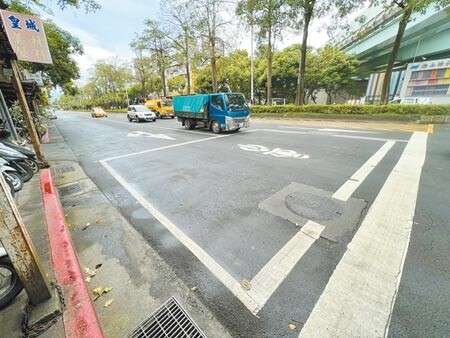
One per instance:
(430, 128)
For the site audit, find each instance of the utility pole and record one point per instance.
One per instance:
(26, 113)
(251, 65)
(20, 249)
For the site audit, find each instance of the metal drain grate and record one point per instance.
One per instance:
(62, 169)
(170, 320)
(70, 189)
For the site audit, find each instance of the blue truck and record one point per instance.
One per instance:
(217, 112)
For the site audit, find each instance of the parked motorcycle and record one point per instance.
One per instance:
(16, 160)
(10, 285)
(11, 176)
(29, 153)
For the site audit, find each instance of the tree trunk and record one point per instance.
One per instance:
(188, 71)
(398, 39)
(163, 80)
(212, 42)
(269, 69)
(299, 98)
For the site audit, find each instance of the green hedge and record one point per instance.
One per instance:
(391, 111)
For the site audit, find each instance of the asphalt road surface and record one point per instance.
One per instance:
(287, 224)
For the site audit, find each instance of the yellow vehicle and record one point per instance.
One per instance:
(98, 112)
(163, 107)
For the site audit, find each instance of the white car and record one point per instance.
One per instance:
(140, 112)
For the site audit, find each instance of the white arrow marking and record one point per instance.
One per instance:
(145, 134)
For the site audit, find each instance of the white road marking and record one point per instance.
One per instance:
(166, 147)
(264, 284)
(137, 133)
(348, 131)
(381, 139)
(218, 271)
(349, 187)
(360, 295)
(334, 135)
(203, 133)
(276, 152)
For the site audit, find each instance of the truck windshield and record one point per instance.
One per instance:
(235, 102)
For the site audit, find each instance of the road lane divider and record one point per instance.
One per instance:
(269, 278)
(266, 282)
(360, 295)
(349, 187)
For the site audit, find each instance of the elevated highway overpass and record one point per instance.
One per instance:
(427, 36)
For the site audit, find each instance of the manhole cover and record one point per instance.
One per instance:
(313, 207)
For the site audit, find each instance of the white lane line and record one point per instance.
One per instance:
(204, 133)
(348, 131)
(286, 131)
(264, 284)
(166, 147)
(334, 135)
(360, 295)
(368, 138)
(349, 187)
(218, 271)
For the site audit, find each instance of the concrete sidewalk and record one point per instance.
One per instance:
(111, 254)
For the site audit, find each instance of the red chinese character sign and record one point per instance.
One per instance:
(26, 36)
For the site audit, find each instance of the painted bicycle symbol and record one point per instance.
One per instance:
(277, 152)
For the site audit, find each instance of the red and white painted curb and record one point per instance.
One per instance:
(80, 318)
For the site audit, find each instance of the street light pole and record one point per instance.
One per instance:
(251, 65)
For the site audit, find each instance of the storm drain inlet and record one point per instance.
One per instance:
(170, 320)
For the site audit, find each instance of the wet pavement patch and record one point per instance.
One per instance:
(299, 203)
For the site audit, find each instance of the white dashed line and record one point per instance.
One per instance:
(264, 284)
(349, 187)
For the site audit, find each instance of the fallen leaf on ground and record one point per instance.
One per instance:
(89, 272)
(245, 283)
(99, 221)
(99, 265)
(99, 291)
(109, 302)
(292, 326)
(88, 279)
(194, 288)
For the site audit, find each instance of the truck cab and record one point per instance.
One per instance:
(217, 112)
(162, 106)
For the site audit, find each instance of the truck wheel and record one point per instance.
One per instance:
(188, 124)
(215, 127)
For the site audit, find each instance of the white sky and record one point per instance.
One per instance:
(108, 32)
